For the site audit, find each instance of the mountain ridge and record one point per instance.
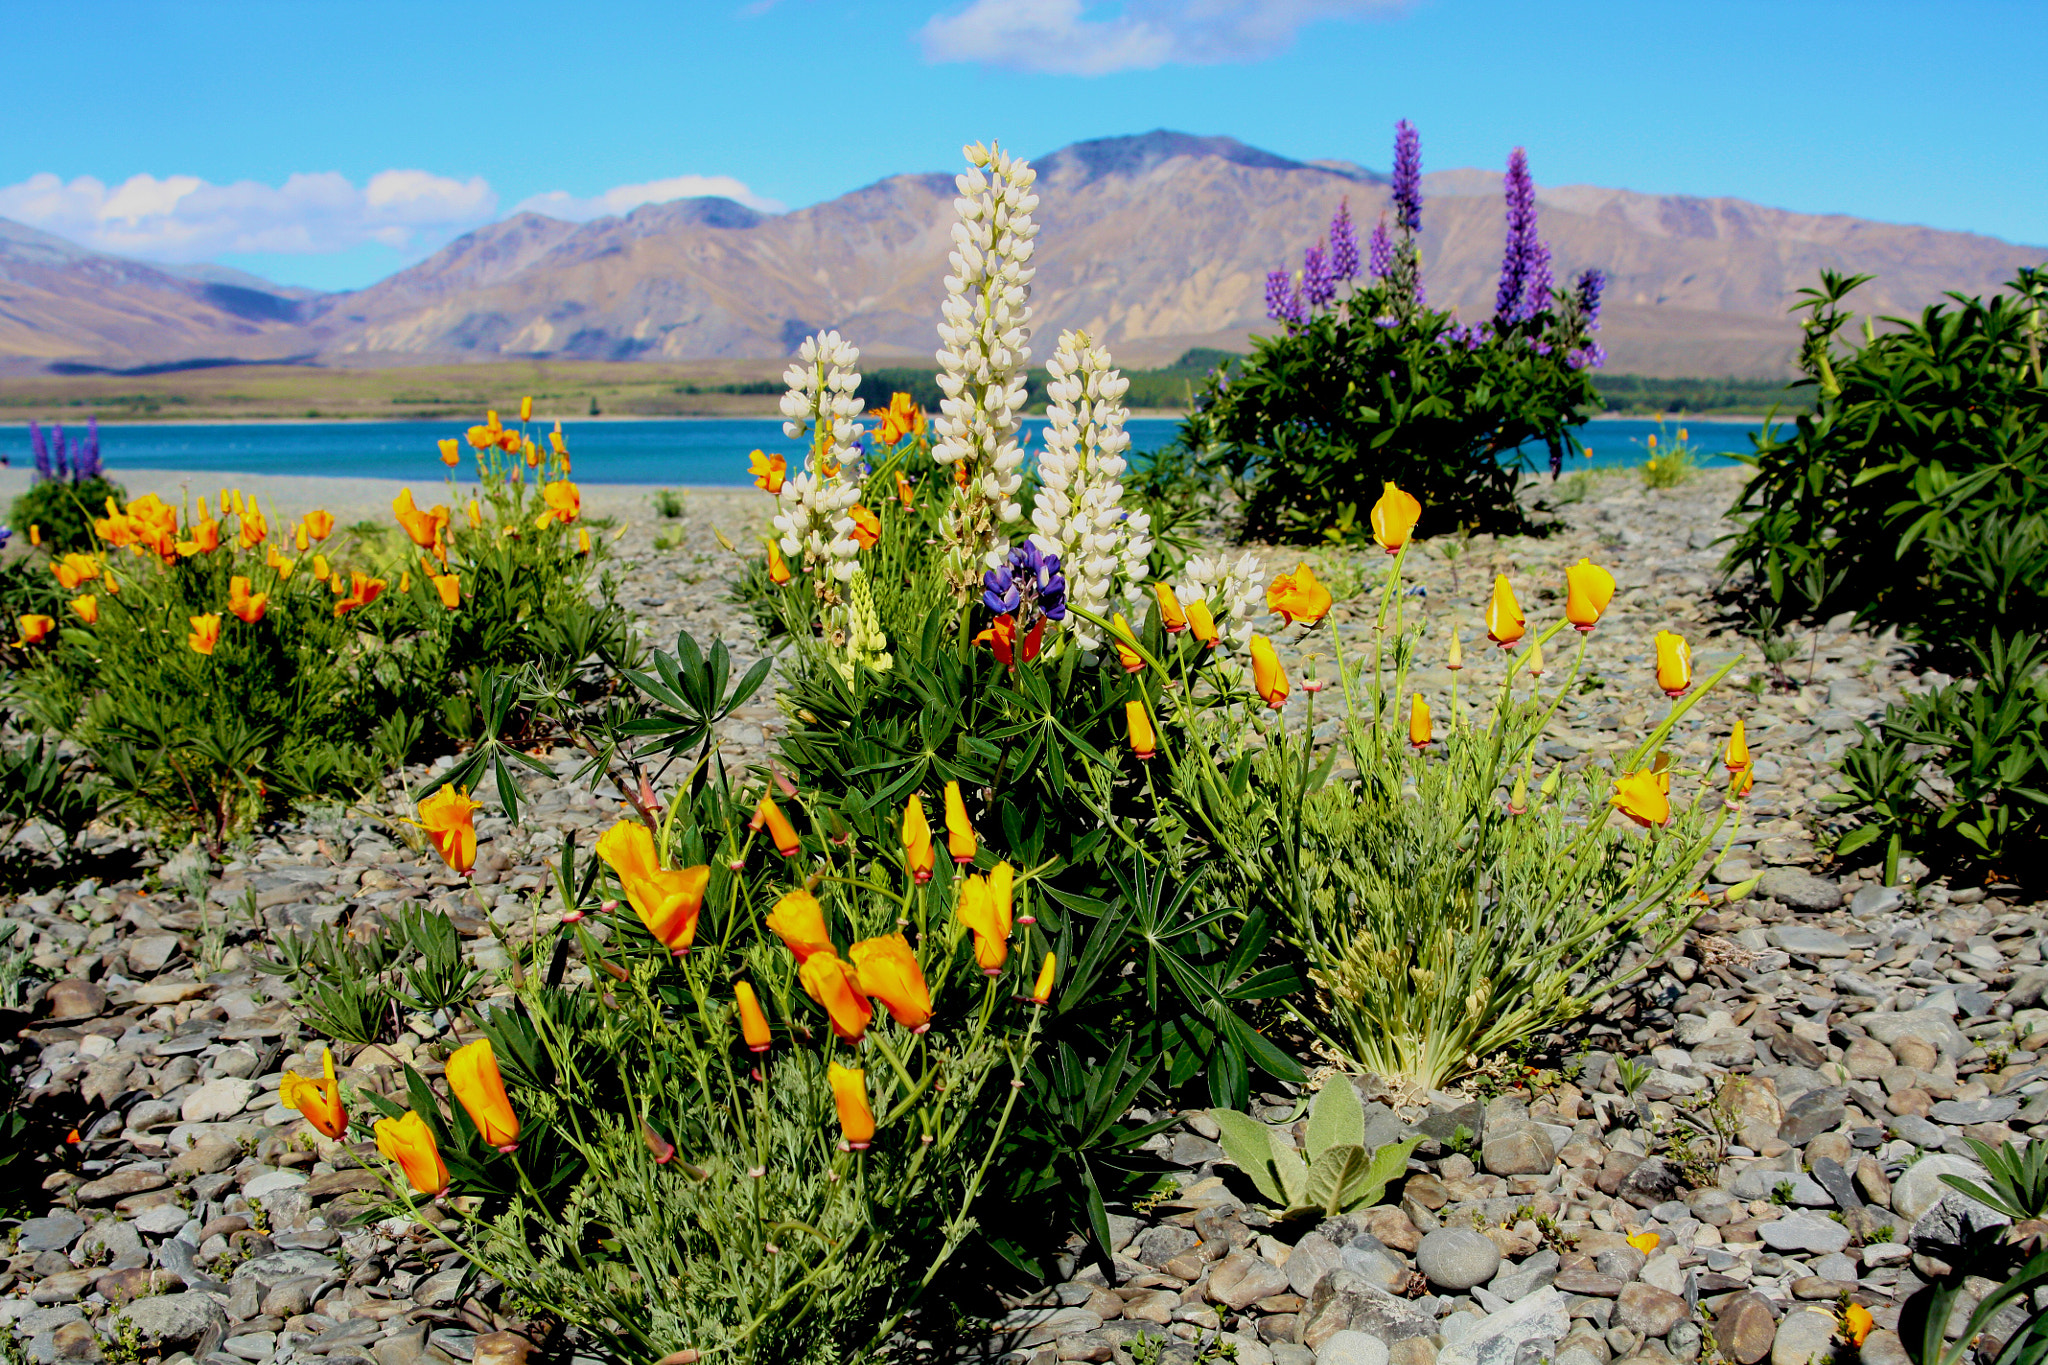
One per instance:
(1152, 242)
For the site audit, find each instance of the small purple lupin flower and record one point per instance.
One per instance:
(1318, 284)
(1590, 286)
(1516, 261)
(1407, 186)
(1381, 260)
(38, 448)
(60, 453)
(1278, 283)
(88, 464)
(1343, 244)
(1536, 293)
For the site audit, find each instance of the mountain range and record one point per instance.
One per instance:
(1154, 243)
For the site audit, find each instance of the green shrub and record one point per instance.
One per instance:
(1915, 494)
(344, 654)
(1368, 385)
(62, 511)
(1445, 924)
(1670, 463)
(1960, 771)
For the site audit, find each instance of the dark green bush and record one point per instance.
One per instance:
(1364, 384)
(62, 511)
(1962, 771)
(1914, 493)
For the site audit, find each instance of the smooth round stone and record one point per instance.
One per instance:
(1457, 1258)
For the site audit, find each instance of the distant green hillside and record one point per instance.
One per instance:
(1173, 388)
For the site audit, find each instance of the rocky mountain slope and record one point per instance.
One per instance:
(1156, 242)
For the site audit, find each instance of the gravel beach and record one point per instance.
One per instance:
(1815, 1056)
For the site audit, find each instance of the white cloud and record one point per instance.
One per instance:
(183, 218)
(1083, 38)
(625, 198)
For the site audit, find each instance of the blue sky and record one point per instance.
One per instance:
(330, 144)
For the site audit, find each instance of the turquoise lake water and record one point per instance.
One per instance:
(699, 453)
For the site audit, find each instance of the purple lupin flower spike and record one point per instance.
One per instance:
(1590, 286)
(1278, 282)
(1407, 186)
(1318, 283)
(1380, 263)
(1343, 244)
(40, 450)
(60, 453)
(88, 463)
(1297, 307)
(1536, 293)
(1515, 263)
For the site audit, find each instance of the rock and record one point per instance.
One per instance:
(1876, 900)
(54, 1233)
(1929, 1026)
(75, 1000)
(1885, 1348)
(218, 1099)
(1515, 1283)
(1650, 1311)
(1802, 891)
(208, 1156)
(120, 1185)
(1832, 1178)
(1312, 1258)
(177, 1320)
(66, 1286)
(1589, 1283)
(161, 1221)
(1952, 1222)
(1804, 939)
(1394, 1228)
(1344, 1300)
(1744, 1327)
(1526, 1151)
(1161, 1244)
(1242, 1278)
(272, 1183)
(1457, 1258)
(116, 1237)
(151, 953)
(289, 1298)
(1812, 1114)
(1024, 1328)
(1085, 1346)
(1803, 1232)
(74, 1341)
(1921, 1187)
(2027, 988)
(1352, 1348)
(1538, 1322)
(1653, 1181)
(1805, 1335)
(1994, 1110)
(1757, 1183)
(1375, 1266)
